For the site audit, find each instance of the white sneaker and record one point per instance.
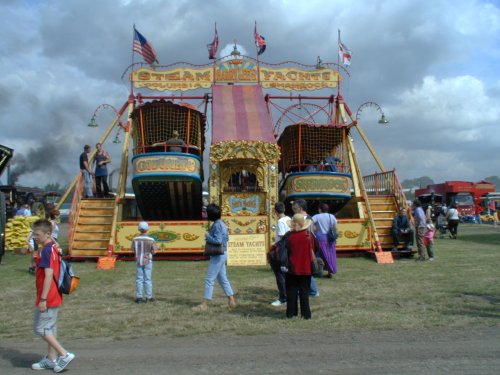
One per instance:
(44, 364)
(278, 303)
(431, 259)
(63, 361)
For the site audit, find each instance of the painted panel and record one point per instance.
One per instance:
(153, 164)
(171, 237)
(312, 183)
(354, 235)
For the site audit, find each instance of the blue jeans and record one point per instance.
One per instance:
(314, 288)
(217, 270)
(143, 279)
(87, 184)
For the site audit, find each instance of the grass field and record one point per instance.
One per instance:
(460, 288)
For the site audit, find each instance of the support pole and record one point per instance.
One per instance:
(372, 151)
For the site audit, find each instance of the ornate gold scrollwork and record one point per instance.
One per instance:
(264, 152)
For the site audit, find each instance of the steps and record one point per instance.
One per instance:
(93, 228)
(383, 209)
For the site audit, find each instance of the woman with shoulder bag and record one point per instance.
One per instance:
(325, 225)
(216, 237)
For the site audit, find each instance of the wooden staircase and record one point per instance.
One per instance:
(384, 209)
(93, 228)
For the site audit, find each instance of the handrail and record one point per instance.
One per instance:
(387, 183)
(74, 210)
(401, 198)
(187, 149)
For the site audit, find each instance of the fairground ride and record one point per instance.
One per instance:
(254, 161)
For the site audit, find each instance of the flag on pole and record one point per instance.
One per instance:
(345, 54)
(144, 48)
(260, 41)
(212, 47)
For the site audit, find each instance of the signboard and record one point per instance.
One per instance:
(235, 71)
(178, 79)
(299, 79)
(312, 183)
(144, 164)
(245, 204)
(171, 237)
(246, 250)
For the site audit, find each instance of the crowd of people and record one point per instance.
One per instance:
(302, 238)
(424, 232)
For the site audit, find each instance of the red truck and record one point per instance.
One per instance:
(466, 195)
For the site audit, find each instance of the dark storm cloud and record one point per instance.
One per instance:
(418, 60)
(46, 158)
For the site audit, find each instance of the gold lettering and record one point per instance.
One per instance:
(267, 74)
(205, 76)
(173, 76)
(278, 76)
(292, 75)
(188, 76)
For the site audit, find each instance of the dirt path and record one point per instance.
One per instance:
(396, 352)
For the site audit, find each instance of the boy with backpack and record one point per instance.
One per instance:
(48, 298)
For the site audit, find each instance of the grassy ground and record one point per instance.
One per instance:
(459, 289)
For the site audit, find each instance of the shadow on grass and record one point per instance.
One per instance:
(490, 312)
(477, 305)
(256, 301)
(493, 299)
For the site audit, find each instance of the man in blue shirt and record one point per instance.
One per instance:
(401, 229)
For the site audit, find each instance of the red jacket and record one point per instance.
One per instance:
(300, 245)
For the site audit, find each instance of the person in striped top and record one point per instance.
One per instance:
(144, 248)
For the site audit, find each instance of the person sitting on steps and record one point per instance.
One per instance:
(401, 227)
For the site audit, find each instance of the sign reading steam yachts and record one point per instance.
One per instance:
(246, 71)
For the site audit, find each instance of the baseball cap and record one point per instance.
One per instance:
(143, 226)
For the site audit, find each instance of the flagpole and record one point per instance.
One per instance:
(215, 54)
(132, 74)
(338, 64)
(257, 47)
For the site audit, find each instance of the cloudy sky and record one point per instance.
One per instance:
(432, 65)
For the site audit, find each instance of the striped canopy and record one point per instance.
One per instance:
(240, 113)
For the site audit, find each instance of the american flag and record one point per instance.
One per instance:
(345, 54)
(212, 47)
(143, 47)
(260, 41)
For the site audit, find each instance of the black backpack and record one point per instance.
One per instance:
(282, 251)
